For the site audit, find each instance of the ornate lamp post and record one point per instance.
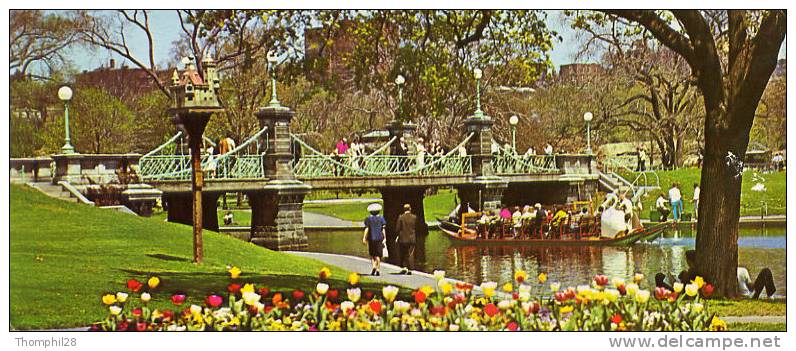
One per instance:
(272, 61)
(65, 94)
(588, 116)
(399, 81)
(478, 74)
(513, 121)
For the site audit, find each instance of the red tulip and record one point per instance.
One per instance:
(513, 326)
(707, 290)
(277, 298)
(616, 319)
(214, 301)
(178, 299)
(168, 315)
(515, 296)
(601, 280)
(662, 293)
(263, 291)
(122, 326)
(437, 310)
(134, 285)
(375, 306)
(561, 296)
(570, 293)
(622, 290)
(535, 307)
(368, 294)
(137, 312)
(332, 294)
(491, 310)
(298, 295)
(140, 326)
(420, 297)
(233, 288)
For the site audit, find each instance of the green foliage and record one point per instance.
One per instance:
(100, 122)
(67, 255)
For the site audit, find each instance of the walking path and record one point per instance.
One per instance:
(754, 319)
(389, 272)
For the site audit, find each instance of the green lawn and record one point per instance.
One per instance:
(64, 256)
(774, 196)
(757, 327)
(747, 307)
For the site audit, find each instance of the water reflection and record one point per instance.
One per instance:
(568, 265)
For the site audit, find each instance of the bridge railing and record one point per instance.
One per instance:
(317, 164)
(509, 163)
(166, 162)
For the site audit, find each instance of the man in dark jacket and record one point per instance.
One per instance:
(405, 227)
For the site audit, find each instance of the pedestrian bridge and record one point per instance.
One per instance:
(243, 168)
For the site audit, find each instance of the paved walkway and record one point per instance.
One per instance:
(389, 272)
(754, 319)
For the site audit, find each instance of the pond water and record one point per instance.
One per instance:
(571, 265)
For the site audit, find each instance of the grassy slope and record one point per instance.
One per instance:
(747, 307)
(63, 256)
(775, 194)
(757, 327)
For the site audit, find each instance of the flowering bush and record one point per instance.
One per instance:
(447, 306)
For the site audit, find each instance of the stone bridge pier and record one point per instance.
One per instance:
(394, 199)
(485, 193)
(277, 208)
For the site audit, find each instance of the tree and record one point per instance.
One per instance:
(100, 122)
(36, 38)
(770, 127)
(732, 58)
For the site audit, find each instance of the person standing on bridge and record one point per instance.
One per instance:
(405, 228)
(374, 237)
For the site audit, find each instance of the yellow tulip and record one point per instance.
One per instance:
(121, 297)
(153, 282)
(248, 287)
(234, 272)
(322, 288)
(520, 276)
(250, 298)
(717, 324)
(638, 277)
(555, 286)
(678, 287)
(353, 278)
(325, 273)
(642, 296)
(109, 299)
(692, 289)
(698, 307)
(427, 290)
(699, 282)
(445, 287)
(631, 289)
(354, 294)
(389, 292)
(567, 309)
(542, 278)
(489, 288)
(508, 287)
(145, 297)
(115, 310)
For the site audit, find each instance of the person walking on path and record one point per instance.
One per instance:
(374, 237)
(677, 202)
(405, 227)
(696, 201)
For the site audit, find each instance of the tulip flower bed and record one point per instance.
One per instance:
(519, 305)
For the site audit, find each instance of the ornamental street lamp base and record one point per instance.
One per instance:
(67, 149)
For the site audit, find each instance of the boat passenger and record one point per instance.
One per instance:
(660, 205)
(516, 221)
(611, 199)
(527, 220)
(558, 221)
(541, 216)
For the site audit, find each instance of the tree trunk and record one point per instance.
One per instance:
(719, 207)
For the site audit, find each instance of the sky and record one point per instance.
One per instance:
(166, 29)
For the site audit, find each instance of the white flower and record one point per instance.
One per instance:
(642, 296)
(145, 297)
(678, 287)
(174, 327)
(439, 274)
(401, 306)
(389, 292)
(354, 294)
(617, 282)
(697, 307)
(416, 312)
(196, 309)
(631, 289)
(121, 297)
(115, 310)
(346, 306)
(504, 304)
(322, 288)
(250, 298)
(524, 296)
(555, 286)
(524, 288)
(453, 327)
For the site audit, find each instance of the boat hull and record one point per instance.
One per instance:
(641, 234)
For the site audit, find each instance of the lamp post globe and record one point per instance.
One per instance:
(588, 116)
(399, 80)
(65, 95)
(513, 121)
